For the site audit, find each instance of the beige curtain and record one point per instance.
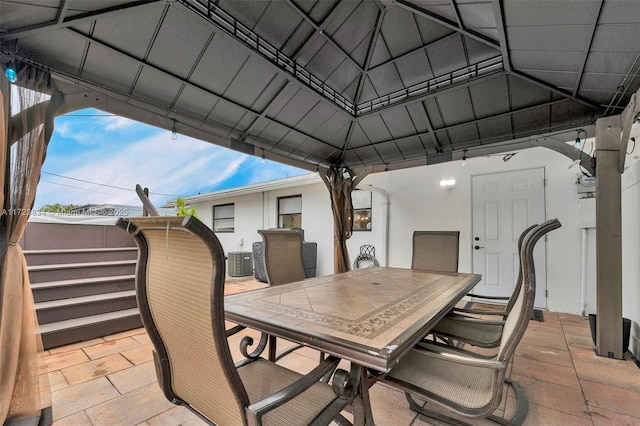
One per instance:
(24, 388)
(340, 183)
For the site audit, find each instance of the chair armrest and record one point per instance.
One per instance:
(474, 320)
(480, 311)
(481, 296)
(260, 408)
(461, 359)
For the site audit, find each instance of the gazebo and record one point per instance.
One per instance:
(342, 87)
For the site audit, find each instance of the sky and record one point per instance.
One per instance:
(91, 153)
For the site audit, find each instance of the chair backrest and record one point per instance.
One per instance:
(282, 253)
(368, 249)
(518, 320)
(516, 288)
(435, 250)
(180, 290)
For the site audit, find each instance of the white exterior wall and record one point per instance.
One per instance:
(416, 201)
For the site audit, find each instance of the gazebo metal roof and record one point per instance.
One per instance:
(378, 84)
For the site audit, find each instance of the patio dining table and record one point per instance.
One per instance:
(370, 317)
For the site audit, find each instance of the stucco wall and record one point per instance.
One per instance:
(416, 201)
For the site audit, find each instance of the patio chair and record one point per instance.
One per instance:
(435, 251)
(283, 264)
(180, 291)
(467, 385)
(457, 327)
(367, 255)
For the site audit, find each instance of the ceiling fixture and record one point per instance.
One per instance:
(174, 132)
(11, 73)
(578, 141)
(262, 160)
(464, 157)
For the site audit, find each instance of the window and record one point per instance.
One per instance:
(290, 212)
(224, 218)
(361, 201)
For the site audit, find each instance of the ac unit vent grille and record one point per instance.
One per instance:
(240, 264)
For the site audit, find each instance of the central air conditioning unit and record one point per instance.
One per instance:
(240, 264)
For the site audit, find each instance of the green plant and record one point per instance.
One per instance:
(181, 209)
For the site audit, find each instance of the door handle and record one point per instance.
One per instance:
(478, 247)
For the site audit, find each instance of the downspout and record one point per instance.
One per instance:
(583, 274)
(385, 220)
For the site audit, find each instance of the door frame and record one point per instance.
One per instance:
(545, 210)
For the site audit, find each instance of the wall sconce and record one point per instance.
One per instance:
(464, 158)
(447, 183)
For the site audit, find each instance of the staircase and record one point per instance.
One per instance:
(81, 293)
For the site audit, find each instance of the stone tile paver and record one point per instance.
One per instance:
(139, 355)
(111, 347)
(74, 399)
(96, 368)
(134, 377)
(130, 409)
(65, 359)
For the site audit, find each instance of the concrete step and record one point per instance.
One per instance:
(68, 271)
(66, 256)
(76, 307)
(56, 290)
(86, 328)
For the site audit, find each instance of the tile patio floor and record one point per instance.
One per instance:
(111, 380)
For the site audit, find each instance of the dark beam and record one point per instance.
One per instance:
(502, 34)
(62, 11)
(324, 35)
(447, 23)
(189, 83)
(411, 52)
(586, 51)
(374, 39)
(73, 20)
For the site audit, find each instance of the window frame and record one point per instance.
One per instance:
(215, 219)
(280, 215)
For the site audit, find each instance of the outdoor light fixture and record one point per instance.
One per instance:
(578, 141)
(262, 160)
(447, 183)
(386, 170)
(464, 158)
(174, 132)
(11, 73)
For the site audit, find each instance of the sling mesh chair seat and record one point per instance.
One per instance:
(468, 385)
(180, 291)
(458, 327)
(435, 251)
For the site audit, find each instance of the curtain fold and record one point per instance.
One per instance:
(340, 183)
(24, 386)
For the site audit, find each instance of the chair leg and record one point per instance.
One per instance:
(521, 411)
(516, 420)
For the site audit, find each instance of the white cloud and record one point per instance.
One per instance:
(117, 123)
(165, 166)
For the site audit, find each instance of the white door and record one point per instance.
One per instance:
(504, 205)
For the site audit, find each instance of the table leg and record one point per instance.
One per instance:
(364, 413)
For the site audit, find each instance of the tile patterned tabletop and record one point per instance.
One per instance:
(369, 316)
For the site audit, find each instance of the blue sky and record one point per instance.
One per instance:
(91, 146)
